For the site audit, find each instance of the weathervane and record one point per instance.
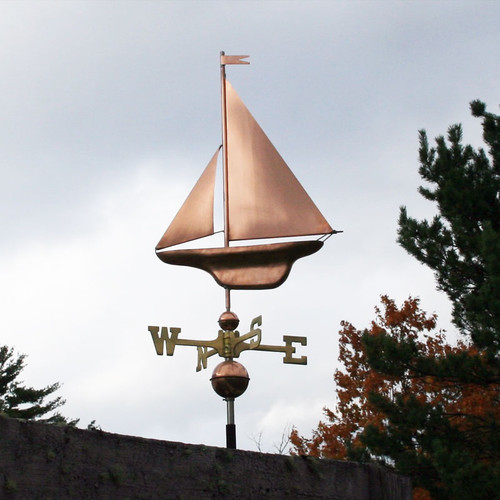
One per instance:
(262, 200)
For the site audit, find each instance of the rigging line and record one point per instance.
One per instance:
(325, 236)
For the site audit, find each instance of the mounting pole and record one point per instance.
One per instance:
(230, 426)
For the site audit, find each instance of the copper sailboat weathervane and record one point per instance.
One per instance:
(262, 200)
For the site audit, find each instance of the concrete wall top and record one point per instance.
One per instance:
(40, 461)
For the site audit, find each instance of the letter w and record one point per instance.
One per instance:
(163, 339)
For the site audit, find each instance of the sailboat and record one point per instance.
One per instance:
(262, 200)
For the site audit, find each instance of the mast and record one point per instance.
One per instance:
(224, 149)
(224, 164)
(223, 61)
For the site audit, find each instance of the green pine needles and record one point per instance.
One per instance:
(19, 401)
(462, 244)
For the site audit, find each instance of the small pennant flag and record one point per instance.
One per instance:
(233, 60)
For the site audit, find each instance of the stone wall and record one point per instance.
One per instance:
(39, 461)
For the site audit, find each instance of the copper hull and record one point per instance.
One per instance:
(255, 267)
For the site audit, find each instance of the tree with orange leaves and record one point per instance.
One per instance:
(406, 398)
(385, 417)
(340, 438)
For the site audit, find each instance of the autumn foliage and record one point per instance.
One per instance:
(357, 380)
(405, 397)
(384, 416)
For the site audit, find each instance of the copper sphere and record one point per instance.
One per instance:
(230, 379)
(228, 321)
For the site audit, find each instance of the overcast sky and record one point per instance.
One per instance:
(109, 111)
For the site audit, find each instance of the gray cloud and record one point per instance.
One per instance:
(109, 112)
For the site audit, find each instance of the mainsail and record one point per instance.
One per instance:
(263, 199)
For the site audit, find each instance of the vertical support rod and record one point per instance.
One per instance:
(230, 426)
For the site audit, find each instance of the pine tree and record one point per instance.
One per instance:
(445, 431)
(19, 401)
(462, 246)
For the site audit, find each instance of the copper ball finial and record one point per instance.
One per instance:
(228, 321)
(230, 379)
